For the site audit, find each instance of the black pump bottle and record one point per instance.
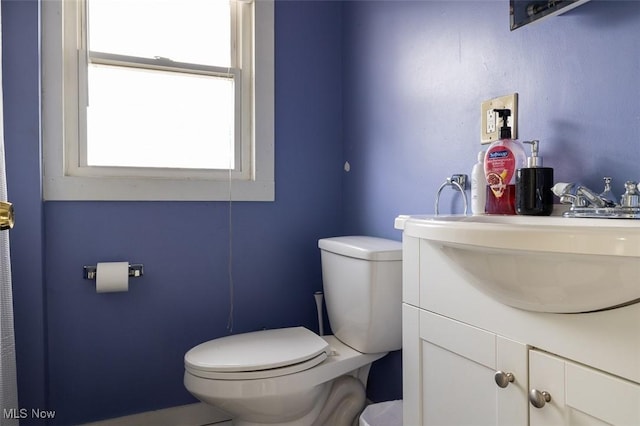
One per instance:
(533, 186)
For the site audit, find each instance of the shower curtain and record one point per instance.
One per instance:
(8, 382)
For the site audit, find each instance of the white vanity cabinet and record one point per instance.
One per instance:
(579, 395)
(458, 365)
(456, 339)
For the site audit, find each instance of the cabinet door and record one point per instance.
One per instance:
(458, 365)
(580, 395)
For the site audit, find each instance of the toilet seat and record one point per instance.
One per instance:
(256, 355)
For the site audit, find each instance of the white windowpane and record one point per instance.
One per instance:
(192, 31)
(142, 118)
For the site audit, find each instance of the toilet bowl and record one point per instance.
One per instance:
(277, 395)
(293, 377)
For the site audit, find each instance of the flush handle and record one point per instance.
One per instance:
(539, 398)
(6, 215)
(503, 379)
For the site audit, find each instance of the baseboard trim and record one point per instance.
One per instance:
(197, 414)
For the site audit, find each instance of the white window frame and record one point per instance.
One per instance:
(66, 178)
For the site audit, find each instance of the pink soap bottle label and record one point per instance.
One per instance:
(499, 169)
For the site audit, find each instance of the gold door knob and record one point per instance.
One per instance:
(6, 215)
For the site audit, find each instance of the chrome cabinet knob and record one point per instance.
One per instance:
(539, 398)
(503, 379)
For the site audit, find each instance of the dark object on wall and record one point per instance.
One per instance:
(522, 12)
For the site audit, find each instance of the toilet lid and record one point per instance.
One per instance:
(362, 247)
(251, 355)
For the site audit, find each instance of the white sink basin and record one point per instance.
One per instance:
(543, 264)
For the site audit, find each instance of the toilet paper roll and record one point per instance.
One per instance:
(112, 277)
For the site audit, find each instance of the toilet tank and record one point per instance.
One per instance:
(362, 280)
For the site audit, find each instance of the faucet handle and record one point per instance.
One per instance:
(630, 198)
(606, 194)
(561, 188)
(563, 191)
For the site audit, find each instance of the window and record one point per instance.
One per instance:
(145, 102)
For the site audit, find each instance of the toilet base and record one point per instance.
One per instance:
(297, 408)
(330, 393)
(343, 403)
(306, 419)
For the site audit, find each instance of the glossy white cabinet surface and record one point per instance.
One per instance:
(455, 338)
(459, 363)
(580, 395)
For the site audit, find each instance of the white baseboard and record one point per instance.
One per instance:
(197, 414)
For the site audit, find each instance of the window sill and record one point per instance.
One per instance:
(139, 189)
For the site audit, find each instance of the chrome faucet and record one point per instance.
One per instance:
(579, 196)
(587, 203)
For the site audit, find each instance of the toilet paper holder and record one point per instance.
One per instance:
(135, 270)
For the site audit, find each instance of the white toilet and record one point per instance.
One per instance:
(293, 377)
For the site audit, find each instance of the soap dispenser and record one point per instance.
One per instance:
(533, 185)
(501, 161)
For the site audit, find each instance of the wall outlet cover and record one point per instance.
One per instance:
(490, 122)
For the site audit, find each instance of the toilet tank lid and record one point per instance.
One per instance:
(259, 350)
(362, 247)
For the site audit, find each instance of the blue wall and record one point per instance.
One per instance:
(417, 72)
(91, 356)
(100, 345)
(392, 87)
